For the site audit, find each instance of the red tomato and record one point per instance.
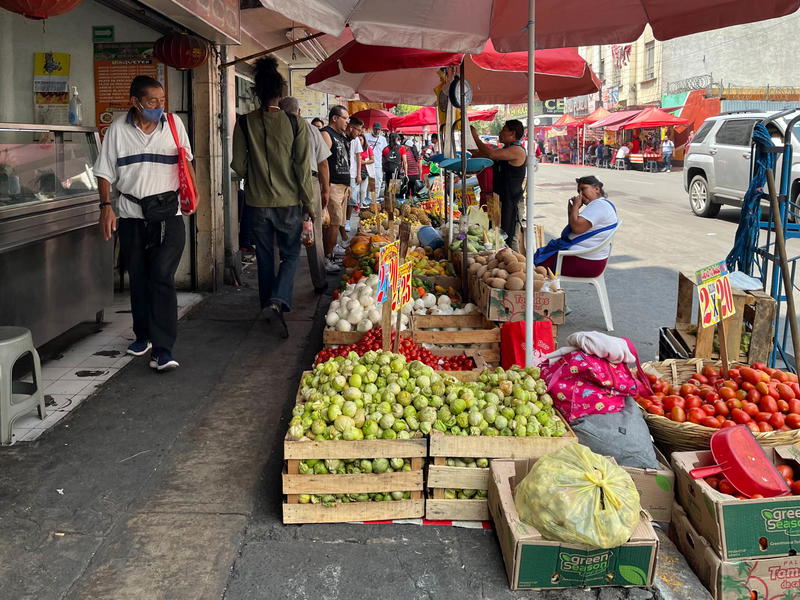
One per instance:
(710, 422)
(711, 396)
(677, 414)
(721, 408)
(693, 401)
(795, 487)
(729, 383)
(728, 423)
(672, 401)
(783, 405)
(675, 390)
(751, 375)
(794, 405)
(701, 379)
(786, 471)
(762, 417)
(785, 391)
(753, 427)
(721, 419)
(713, 481)
(750, 408)
(709, 409)
(656, 410)
(780, 376)
(651, 378)
(764, 426)
(768, 404)
(727, 393)
(695, 415)
(725, 487)
(795, 388)
(762, 388)
(753, 396)
(688, 388)
(759, 365)
(747, 386)
(740, 417)
(734, 373)
(777, 420)
(709, 371)
(793, 420)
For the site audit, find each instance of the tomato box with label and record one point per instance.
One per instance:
(758, 528)
(533, 562)
(762, 578)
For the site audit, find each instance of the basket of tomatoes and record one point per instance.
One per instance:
(691, 400)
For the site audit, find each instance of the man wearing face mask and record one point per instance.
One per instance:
(140, 156)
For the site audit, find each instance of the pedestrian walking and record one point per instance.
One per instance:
(667, 150)
(355, 127)
(367, 171)
(140, 156)
(377, 142)
(334, 135)
(394, 162)
(271, 152)
(318, 165)
(412, 159)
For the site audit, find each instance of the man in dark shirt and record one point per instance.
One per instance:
(339, 169)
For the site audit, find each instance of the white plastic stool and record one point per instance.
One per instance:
(619, 164)
(16, 342)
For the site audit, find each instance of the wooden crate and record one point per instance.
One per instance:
(441, 477)
(295, 484)
(475, 331)
(755, 314)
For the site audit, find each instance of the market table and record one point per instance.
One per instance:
(649, 160)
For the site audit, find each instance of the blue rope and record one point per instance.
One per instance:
(742, 256)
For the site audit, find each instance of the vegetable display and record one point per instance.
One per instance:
(333, 499)
(757, 396)
(476, 238)
(334, 466)
(506, 270)
(373, 341)
(722, 485)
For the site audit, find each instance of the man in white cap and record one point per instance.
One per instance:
(377, 142)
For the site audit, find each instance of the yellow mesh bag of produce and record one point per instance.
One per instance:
(576, 496)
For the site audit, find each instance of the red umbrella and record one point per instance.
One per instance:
(654, 117)
(596, 115)
(374, 115)
(384, 73)
(450, 25)
(426, 116)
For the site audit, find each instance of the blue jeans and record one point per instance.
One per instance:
(668, 160)
(281, 226)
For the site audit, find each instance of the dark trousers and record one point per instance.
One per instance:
(151, 269)
(284, 225)
(509, 215)
(668, 161)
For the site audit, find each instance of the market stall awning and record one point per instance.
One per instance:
(371, 116)
(653, 117)
(566, 121)
(593, 117)
(615, 120)
(385, 73)
(426, 117)
(466, 25)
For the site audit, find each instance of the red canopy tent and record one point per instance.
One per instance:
(595, 116)
(384, 73)
(426, 116)
(653, 117)
(372, 116)
(615, 120)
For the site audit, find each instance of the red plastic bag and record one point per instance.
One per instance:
(512, 342)
(187, 190)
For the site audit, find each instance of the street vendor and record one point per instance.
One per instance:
(509, 172)
(592, 219)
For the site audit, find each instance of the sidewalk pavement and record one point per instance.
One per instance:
(168, 486)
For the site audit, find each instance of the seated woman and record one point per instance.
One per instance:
(592, 220)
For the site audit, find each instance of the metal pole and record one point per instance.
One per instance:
(464, 124)
(530, 243)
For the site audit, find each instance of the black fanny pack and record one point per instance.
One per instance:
(158, 207)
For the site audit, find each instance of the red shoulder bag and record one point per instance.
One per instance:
(187, 190)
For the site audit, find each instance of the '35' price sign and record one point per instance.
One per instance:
(716, 295)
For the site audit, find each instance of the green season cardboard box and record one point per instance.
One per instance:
(738, 529)
(533, 562)
(762, 578)
(656, 488)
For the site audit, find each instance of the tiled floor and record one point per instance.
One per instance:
(84, 366)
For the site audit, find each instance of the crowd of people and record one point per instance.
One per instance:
(599, 154)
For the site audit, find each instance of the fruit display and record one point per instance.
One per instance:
(334, 466)
(373, 341)
(722, 485)
(757, 396)
(505, 269)
(423, 265)
(362, 252)
(370, 221)
(434, 209)
(476, 238)
(511, 402)
(333, 499)
(468, 463)
(462, 494)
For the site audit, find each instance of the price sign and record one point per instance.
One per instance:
(403, 295)
(388, 271)
(716, 295)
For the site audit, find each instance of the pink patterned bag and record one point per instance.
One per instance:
(582, 384)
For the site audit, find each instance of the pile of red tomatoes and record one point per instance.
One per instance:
(724, 486)
(373, 340)
(761, 398)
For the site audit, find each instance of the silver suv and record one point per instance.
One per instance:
(716, 169)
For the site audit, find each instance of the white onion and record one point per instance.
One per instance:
(355, 316)
(364, 325)
(343, 325)
(429, 300)
(331, 318)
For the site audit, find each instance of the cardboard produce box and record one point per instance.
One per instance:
(735, 528)
(533, 562)
(656, 488)
(762, 578)
(508, 305)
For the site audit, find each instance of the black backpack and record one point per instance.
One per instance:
(392, 163)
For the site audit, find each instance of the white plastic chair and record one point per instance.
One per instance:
(598, 282)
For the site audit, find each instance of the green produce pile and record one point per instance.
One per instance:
(471, 463)
(450, 494)
(313, 466)
(382, 396)
(332, 499)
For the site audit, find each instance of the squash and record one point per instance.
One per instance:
(359, 247)
(350, 261)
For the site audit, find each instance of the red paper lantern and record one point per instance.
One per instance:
(39, 9)
(181, 50)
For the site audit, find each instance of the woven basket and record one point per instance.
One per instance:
(683, 437)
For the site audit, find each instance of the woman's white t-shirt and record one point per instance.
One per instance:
(600, 213)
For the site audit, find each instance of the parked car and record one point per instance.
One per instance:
(716, 169)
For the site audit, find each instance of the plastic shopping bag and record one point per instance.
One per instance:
(578, 497)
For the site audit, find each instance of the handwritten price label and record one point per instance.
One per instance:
(403, 295)
(388, 272)
(716, 295)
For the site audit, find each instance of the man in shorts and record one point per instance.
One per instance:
(355, 128)
(334, 136)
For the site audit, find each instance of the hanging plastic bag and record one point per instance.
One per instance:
(578, 497)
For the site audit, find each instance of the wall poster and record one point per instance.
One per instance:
(51, 88)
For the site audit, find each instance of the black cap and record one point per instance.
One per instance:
(589, 180)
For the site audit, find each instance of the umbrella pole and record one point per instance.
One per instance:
(530, 244)
(464, 125)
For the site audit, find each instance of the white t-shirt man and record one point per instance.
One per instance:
(600, 213)
(355, 150)
(138, 163)
(623, 152)
(667, 146)
(377, 143)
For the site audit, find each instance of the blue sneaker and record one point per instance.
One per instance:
(161, 360)
(139, 348)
